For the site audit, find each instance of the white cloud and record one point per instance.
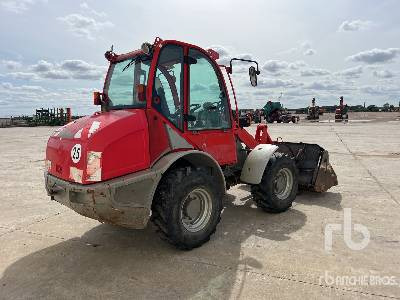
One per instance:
(92, 11)
(381, 90)
(11, 64)
(327, 85)
(42, 66)
(275, 66)
(375, 56)
(17, 6)
(277, 83)
(307, 49)
(24, 88)
(383, 74)
(31, 97)
(24, 76)
(84, 26)
(314, 72)
(354, 25)
(297, 65)
(354, 72)
(67, 69)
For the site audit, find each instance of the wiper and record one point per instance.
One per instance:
(128, 65)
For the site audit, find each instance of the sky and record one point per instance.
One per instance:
(52, 52)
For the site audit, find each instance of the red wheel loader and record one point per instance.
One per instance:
(165, 147)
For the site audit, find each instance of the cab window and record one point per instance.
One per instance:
(208, 104)
(168, 84)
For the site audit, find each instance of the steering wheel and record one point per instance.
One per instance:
(195, 107)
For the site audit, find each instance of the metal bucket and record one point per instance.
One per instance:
(315, 171)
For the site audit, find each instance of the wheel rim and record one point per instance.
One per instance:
(196, 210)
(283, 183)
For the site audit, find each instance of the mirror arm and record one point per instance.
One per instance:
(246, 60)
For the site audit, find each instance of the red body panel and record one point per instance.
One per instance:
(120, 136)
(219, 144)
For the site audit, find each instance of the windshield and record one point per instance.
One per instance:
(124, 77)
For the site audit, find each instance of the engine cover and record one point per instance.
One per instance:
(100, 147)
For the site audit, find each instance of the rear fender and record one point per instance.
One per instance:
(194, 157)
(256, 162)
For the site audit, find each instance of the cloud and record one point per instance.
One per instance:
(325, 85)
(354, 72)
(91, 11)
(24, 76)
(83, 26)
(375, 56)
(11, 64)
(277, 83)
(297, 65)
(355, 25)
(31, 97)
(309, 52)
(42, 66)
(66, 69)
(18, 6)
(275, 66)
(383, 74)
(378, 90)
(24, 88)
(314, 72)
(307, 49)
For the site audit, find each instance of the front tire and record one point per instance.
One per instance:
(187, 206)
(278, 187)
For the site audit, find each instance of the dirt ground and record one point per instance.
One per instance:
(48, 251)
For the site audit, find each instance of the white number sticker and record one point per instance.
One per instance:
(76, 153)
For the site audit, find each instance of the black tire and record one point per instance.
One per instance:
(174, 188)
(264, 194)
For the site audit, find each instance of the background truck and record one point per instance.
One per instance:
(274, 111)
(165, 150)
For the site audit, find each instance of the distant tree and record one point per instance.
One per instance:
(386, 106)
(391, 108)
(372, 108)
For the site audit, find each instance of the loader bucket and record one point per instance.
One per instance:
(315, 171)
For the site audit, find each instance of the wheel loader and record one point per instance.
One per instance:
(164, 147)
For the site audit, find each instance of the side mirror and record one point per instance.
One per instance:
(141, 92)
(253, 76)
(97, 98)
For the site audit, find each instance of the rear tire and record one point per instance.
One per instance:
(181, 190)
(278, 187)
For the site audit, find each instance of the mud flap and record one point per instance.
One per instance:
(315, 171)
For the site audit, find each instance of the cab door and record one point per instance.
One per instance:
(208, 122)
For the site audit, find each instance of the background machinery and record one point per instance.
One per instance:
(274, 111)
(313, 111)
(341, 112)
(165, 150)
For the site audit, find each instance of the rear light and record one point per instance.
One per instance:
(47, 165)
(93, 170)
